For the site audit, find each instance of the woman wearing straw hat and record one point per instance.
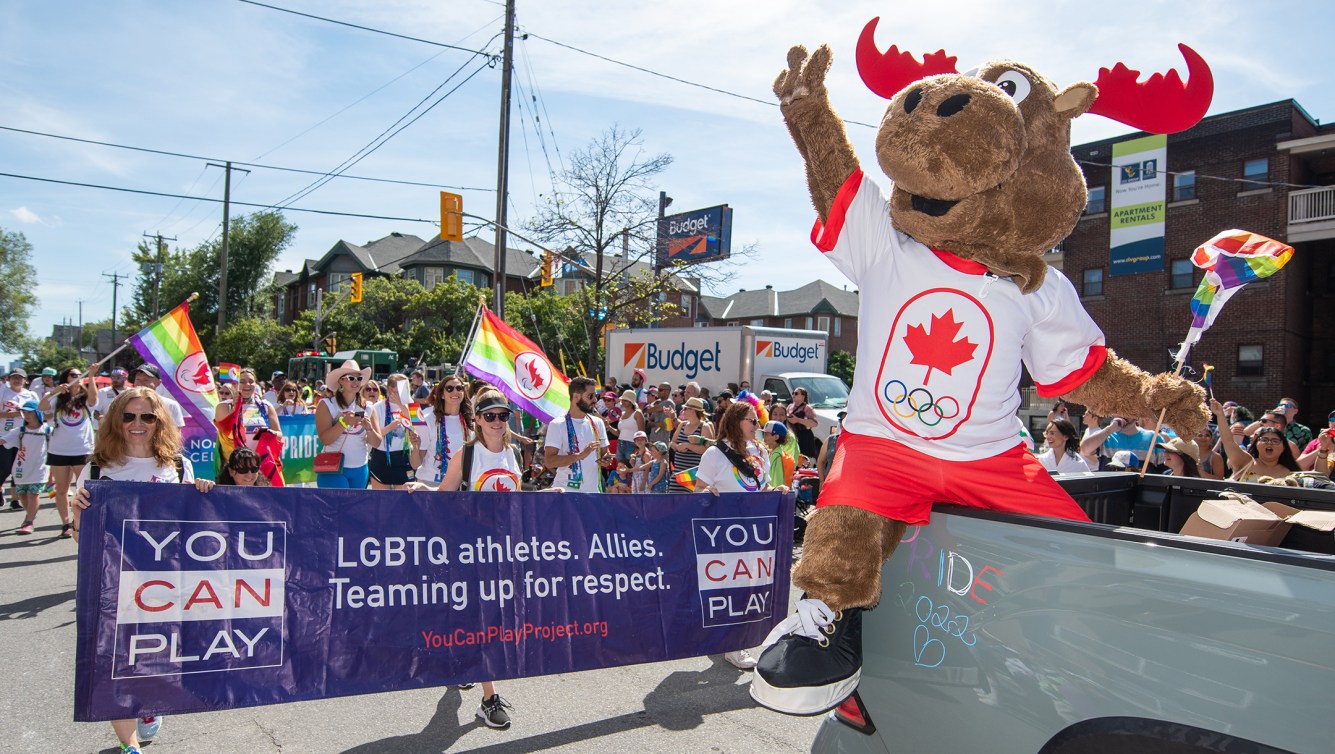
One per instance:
(692, 438)
(344, 427)
(1182, 457)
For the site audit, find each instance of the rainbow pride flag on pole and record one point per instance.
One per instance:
(229, 372)
(1230, 260)
(502, 356)
(687, 478)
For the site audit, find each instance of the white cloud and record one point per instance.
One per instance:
(26, 216)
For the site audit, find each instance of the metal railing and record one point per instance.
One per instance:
(1312, 205)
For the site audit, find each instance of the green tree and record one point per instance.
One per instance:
(841, 366)
(556, 323)
(378, 320)
(37, 353)
(438, 321)
(18, 290)
(258, 342)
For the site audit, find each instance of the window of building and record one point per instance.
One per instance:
(1251, 361)
(310, 301)
(335, 281)
(823, 324)
(757, 323)
(1181, 274)
(808, 323)
(432, 277)
(687, 305)
(1097, 201)
(464, 276)
(788, 321)
(1184, 186)
(569, 287)
(1093, 282)
(1257, 170)
(838, 326)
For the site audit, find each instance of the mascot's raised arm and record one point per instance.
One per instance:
(955, 297)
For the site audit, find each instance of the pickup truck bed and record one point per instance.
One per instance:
(1001, 633)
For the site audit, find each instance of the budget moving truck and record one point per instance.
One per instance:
(770, 358)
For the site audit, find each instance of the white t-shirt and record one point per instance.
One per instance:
(1068, 464)
(429, 440)
(72, 431)
(271, 396)
(717, 471)
(141, 470)
(352, 443)
(941, 340)
(173, 407)
(30, 462)
(11, 400)
(105, 396)
(494, 472)
(583, 475)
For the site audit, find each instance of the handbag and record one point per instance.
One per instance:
(330, 461)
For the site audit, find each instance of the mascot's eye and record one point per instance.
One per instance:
(1015, 85)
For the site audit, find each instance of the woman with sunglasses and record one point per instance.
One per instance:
(449, 424)
(371, 392)
(242, 470)
(254, 414)
(137, 442)
(391, 460)
(494, 468)
(226, 392)
(70, 406)
(344, 427)
(1269, 456)
(290, 402)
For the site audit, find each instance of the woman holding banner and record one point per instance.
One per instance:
(391, 460)
(70, 406)
(344, 428)
(449, 424)
(488, 463)
(137, 442)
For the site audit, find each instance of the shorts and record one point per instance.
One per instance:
(55, 460)
(394, 468)
(353, 478)
(893, 480)
(30, 489)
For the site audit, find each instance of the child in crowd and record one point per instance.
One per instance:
(658, 467)
(639, 464)
(30, 469)
(618, 482)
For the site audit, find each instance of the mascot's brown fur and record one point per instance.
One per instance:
(985, 178)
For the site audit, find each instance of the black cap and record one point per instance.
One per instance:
(723, 394)
(151, 370)
(490, 402)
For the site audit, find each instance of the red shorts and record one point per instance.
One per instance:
(893, 480)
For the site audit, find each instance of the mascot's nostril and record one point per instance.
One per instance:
(912, 99)
(952, 105)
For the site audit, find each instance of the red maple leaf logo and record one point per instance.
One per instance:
(935, 347)
(203, 375)
(534, 375)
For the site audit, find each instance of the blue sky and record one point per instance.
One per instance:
(229, 80)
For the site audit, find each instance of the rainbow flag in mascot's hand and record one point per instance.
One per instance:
(1230, 260)
(172, 345)
(502, 356)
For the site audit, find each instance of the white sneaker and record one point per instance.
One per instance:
(741, 659)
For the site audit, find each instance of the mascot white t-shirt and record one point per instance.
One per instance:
(941, 340)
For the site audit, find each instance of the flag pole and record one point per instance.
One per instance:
(472, 333)
(126, 343)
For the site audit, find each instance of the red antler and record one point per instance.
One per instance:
(1161, 105)
(886, 73)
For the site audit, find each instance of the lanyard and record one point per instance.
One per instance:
(576, 469)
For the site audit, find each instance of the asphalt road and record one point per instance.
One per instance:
(695, 705)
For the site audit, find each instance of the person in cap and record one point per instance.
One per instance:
(630, 422)
(1124, 460)
(28, 441)
(608, 407)
(782, 456)
(13, 394)
(108, 394)
(70, 404)
(659, 466)
(149, 376)
(46, 383)
(1181, 457)
(276, 381)
(575, 442)
(345, 427)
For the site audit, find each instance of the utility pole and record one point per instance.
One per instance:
(115, 287)
(78, 344)
(227, 223)
(157, 268)
(503, 157)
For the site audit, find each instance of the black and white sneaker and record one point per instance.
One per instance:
(492, 712)
(811, 662)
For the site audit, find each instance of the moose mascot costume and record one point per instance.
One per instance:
(955, 297)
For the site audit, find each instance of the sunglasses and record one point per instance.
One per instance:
(247, 470)
(453, 388)
(351, 378)
(129, 418)
(372, 389)
(495, 416)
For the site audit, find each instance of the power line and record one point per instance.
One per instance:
(217, 201)
(359, 26)
(237, 162)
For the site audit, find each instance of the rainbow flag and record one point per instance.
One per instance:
(502, 356)
(1230, 260)
(229, 372)
(686, 478)
(415, 415)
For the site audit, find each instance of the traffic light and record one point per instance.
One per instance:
(548, 268)
(451, 217)
(356, 296)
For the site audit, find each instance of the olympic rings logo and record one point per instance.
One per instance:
(920, 402)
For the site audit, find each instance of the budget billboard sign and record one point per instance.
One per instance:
(702, 235)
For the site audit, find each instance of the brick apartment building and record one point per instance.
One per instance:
(1268, 169)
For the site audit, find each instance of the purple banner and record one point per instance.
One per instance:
(238, 597)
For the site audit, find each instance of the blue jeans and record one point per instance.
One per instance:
(348, 478)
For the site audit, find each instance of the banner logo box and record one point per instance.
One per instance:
(735, 560)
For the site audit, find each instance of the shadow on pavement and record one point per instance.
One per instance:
(33, 606)
(24, 563)
(440, 733)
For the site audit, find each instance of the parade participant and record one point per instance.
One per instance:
(575, 441)
(226, 392)
(45, 384)
(421, 390)
(290, 402)
(802, 421)
(782, 454)
(252, 422)
(631, 422)
(391, 460)
(345, 430)
(371, 393)
(736, 464)
(1270, 454)
(1207, 444)
(271, 392)
(1062, 455)
(138, 442)
(149, 376)
(488, 463)
(693, 436)
(306, 393)
(13, 394)
(108, 394)
(983, 187)
(29, 443)
(70, 405)
(448, 425)
(242, 470)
